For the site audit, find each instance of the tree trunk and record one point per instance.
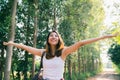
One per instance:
(79, 70)
(65, 69)
(1, 63)
(35, 35)
(26, 53)
(26, 65)
(69, 68)
(55, 24)
(11, 38)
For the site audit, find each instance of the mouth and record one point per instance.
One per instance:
(53, 40)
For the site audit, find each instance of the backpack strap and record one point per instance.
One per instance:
(41, 61)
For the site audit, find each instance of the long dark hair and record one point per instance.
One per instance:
(59, 47)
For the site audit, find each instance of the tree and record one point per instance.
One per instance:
(35, 33)
(4, 23)
(11, 38)
(114, 53)
(78, 22)
(74, 19)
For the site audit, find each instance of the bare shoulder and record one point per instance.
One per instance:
(64, 55)
(40, 52)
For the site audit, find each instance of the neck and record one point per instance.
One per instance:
(53, 49)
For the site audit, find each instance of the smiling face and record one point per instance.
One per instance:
(53, 39)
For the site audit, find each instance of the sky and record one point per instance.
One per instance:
(112, 14)
(112, 11)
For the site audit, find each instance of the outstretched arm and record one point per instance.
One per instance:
(74, 47)
(31, 50)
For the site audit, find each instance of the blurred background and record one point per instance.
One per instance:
(29, 21)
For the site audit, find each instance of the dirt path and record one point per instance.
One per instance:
(107, 74)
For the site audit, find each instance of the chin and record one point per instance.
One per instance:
(54, 44)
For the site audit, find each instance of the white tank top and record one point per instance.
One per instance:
(53, 69)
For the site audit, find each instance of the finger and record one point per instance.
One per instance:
(115, 34)
(4, 43)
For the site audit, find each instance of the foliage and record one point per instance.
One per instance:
(77, 20)
(4, 26)
(116, 30)
(114, 53)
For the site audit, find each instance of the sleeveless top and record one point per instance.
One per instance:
(53, 69)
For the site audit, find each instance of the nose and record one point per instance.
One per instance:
(54, 36)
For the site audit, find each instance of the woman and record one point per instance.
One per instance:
(55, 53)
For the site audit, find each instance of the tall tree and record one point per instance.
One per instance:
(35, 33)
(11, 38)
(4, 23)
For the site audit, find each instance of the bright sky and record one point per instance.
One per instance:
(112, 11)
(112, 14)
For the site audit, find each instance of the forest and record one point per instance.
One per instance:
(29, 21)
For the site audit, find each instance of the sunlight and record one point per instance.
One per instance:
(112, 11)
(20, 1)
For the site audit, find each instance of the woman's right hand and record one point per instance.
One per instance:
(8, 43)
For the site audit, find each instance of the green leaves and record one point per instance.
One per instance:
(117, 30)
(114, 53)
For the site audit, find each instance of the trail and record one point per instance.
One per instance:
(107, 74)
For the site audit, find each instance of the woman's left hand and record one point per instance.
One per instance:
(113, 35)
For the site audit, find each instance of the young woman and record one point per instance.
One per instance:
(55, 53)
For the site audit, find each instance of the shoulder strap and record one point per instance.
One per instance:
(41, 61)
